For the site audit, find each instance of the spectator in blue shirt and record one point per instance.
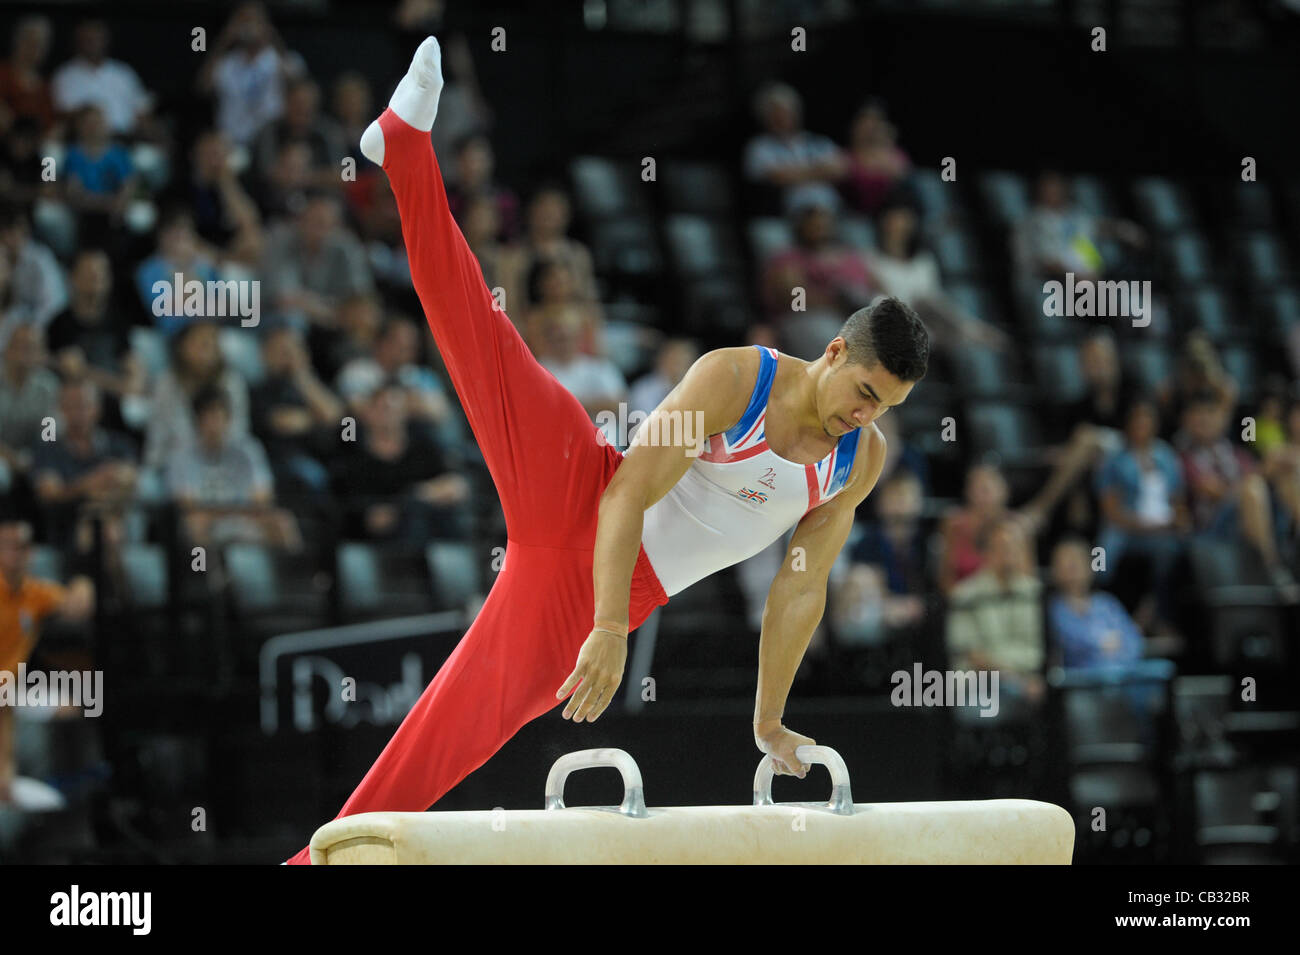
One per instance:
(1141, 489)
(98, 177)
(179, 252)
(1088, 628)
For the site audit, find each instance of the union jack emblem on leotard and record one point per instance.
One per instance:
(747, 494)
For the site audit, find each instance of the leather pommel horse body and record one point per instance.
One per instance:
(995, 831)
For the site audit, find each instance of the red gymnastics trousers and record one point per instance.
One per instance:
(549, 469)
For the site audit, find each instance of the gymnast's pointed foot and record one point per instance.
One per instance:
(415, 101)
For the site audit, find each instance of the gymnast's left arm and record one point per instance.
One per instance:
(796, 600)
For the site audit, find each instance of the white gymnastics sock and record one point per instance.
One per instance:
(415, 100)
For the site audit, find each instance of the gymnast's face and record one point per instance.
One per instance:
(850, 395)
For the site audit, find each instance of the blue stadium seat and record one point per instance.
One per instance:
(1282, 307)
(1057, 372)
(1187, 256)
(957, 254)
(978, 301)
(1006, 196)
(941, 202)
(1239, 362)
(1263, 259)
(242, 348)
(1207, 309)
(1163, 205)
(145, 567)
(1148, 363)
(151, 347)
(46, 562)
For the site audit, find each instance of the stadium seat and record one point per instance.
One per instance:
(768, 235)
(1282, 308)
(858, 232)
(1148, 363)
(454, 570)
(272, 592)
(697, 188)
(1245, 812)
(606, 188)
(633, 313)
(1242, 613)
(242, 349)
(1104, 725)
(377, 581)
(151, 347)
(150, 162)
(1116, 786)
(700, 247)
(1201, 703)
(1057, 372)
(145, 568)
(957, 254)
(1029, 301)
(717, 308)
(941, 203)
(976, 299)
(1207, 308)
(1162, 205)
(1239, 362)
(985, 373)
(1187, 258)
(631, 345)
(626, 246)
(46, 562)
(1005, 195)
(1263, 260)
(55, 224)
(1004, 429)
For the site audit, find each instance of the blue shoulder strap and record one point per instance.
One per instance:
(758, 400)
(848, 452)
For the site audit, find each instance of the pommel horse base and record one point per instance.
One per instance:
(838, 832)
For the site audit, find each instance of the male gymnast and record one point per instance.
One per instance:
(597, 539)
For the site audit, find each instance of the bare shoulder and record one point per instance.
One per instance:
(737, 365)
(720, 382)
(868, 462)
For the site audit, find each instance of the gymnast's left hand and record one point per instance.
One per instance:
(597, 675)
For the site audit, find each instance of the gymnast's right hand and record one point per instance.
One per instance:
(597, 676)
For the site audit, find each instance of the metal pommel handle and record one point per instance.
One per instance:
(633, 791)
(841, 798)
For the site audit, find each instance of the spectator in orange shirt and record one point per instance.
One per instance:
(24, 602)
(24, 91)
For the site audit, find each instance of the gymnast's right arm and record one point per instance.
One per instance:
(719, 386)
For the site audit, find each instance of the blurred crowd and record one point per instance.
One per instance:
(1135, 471)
